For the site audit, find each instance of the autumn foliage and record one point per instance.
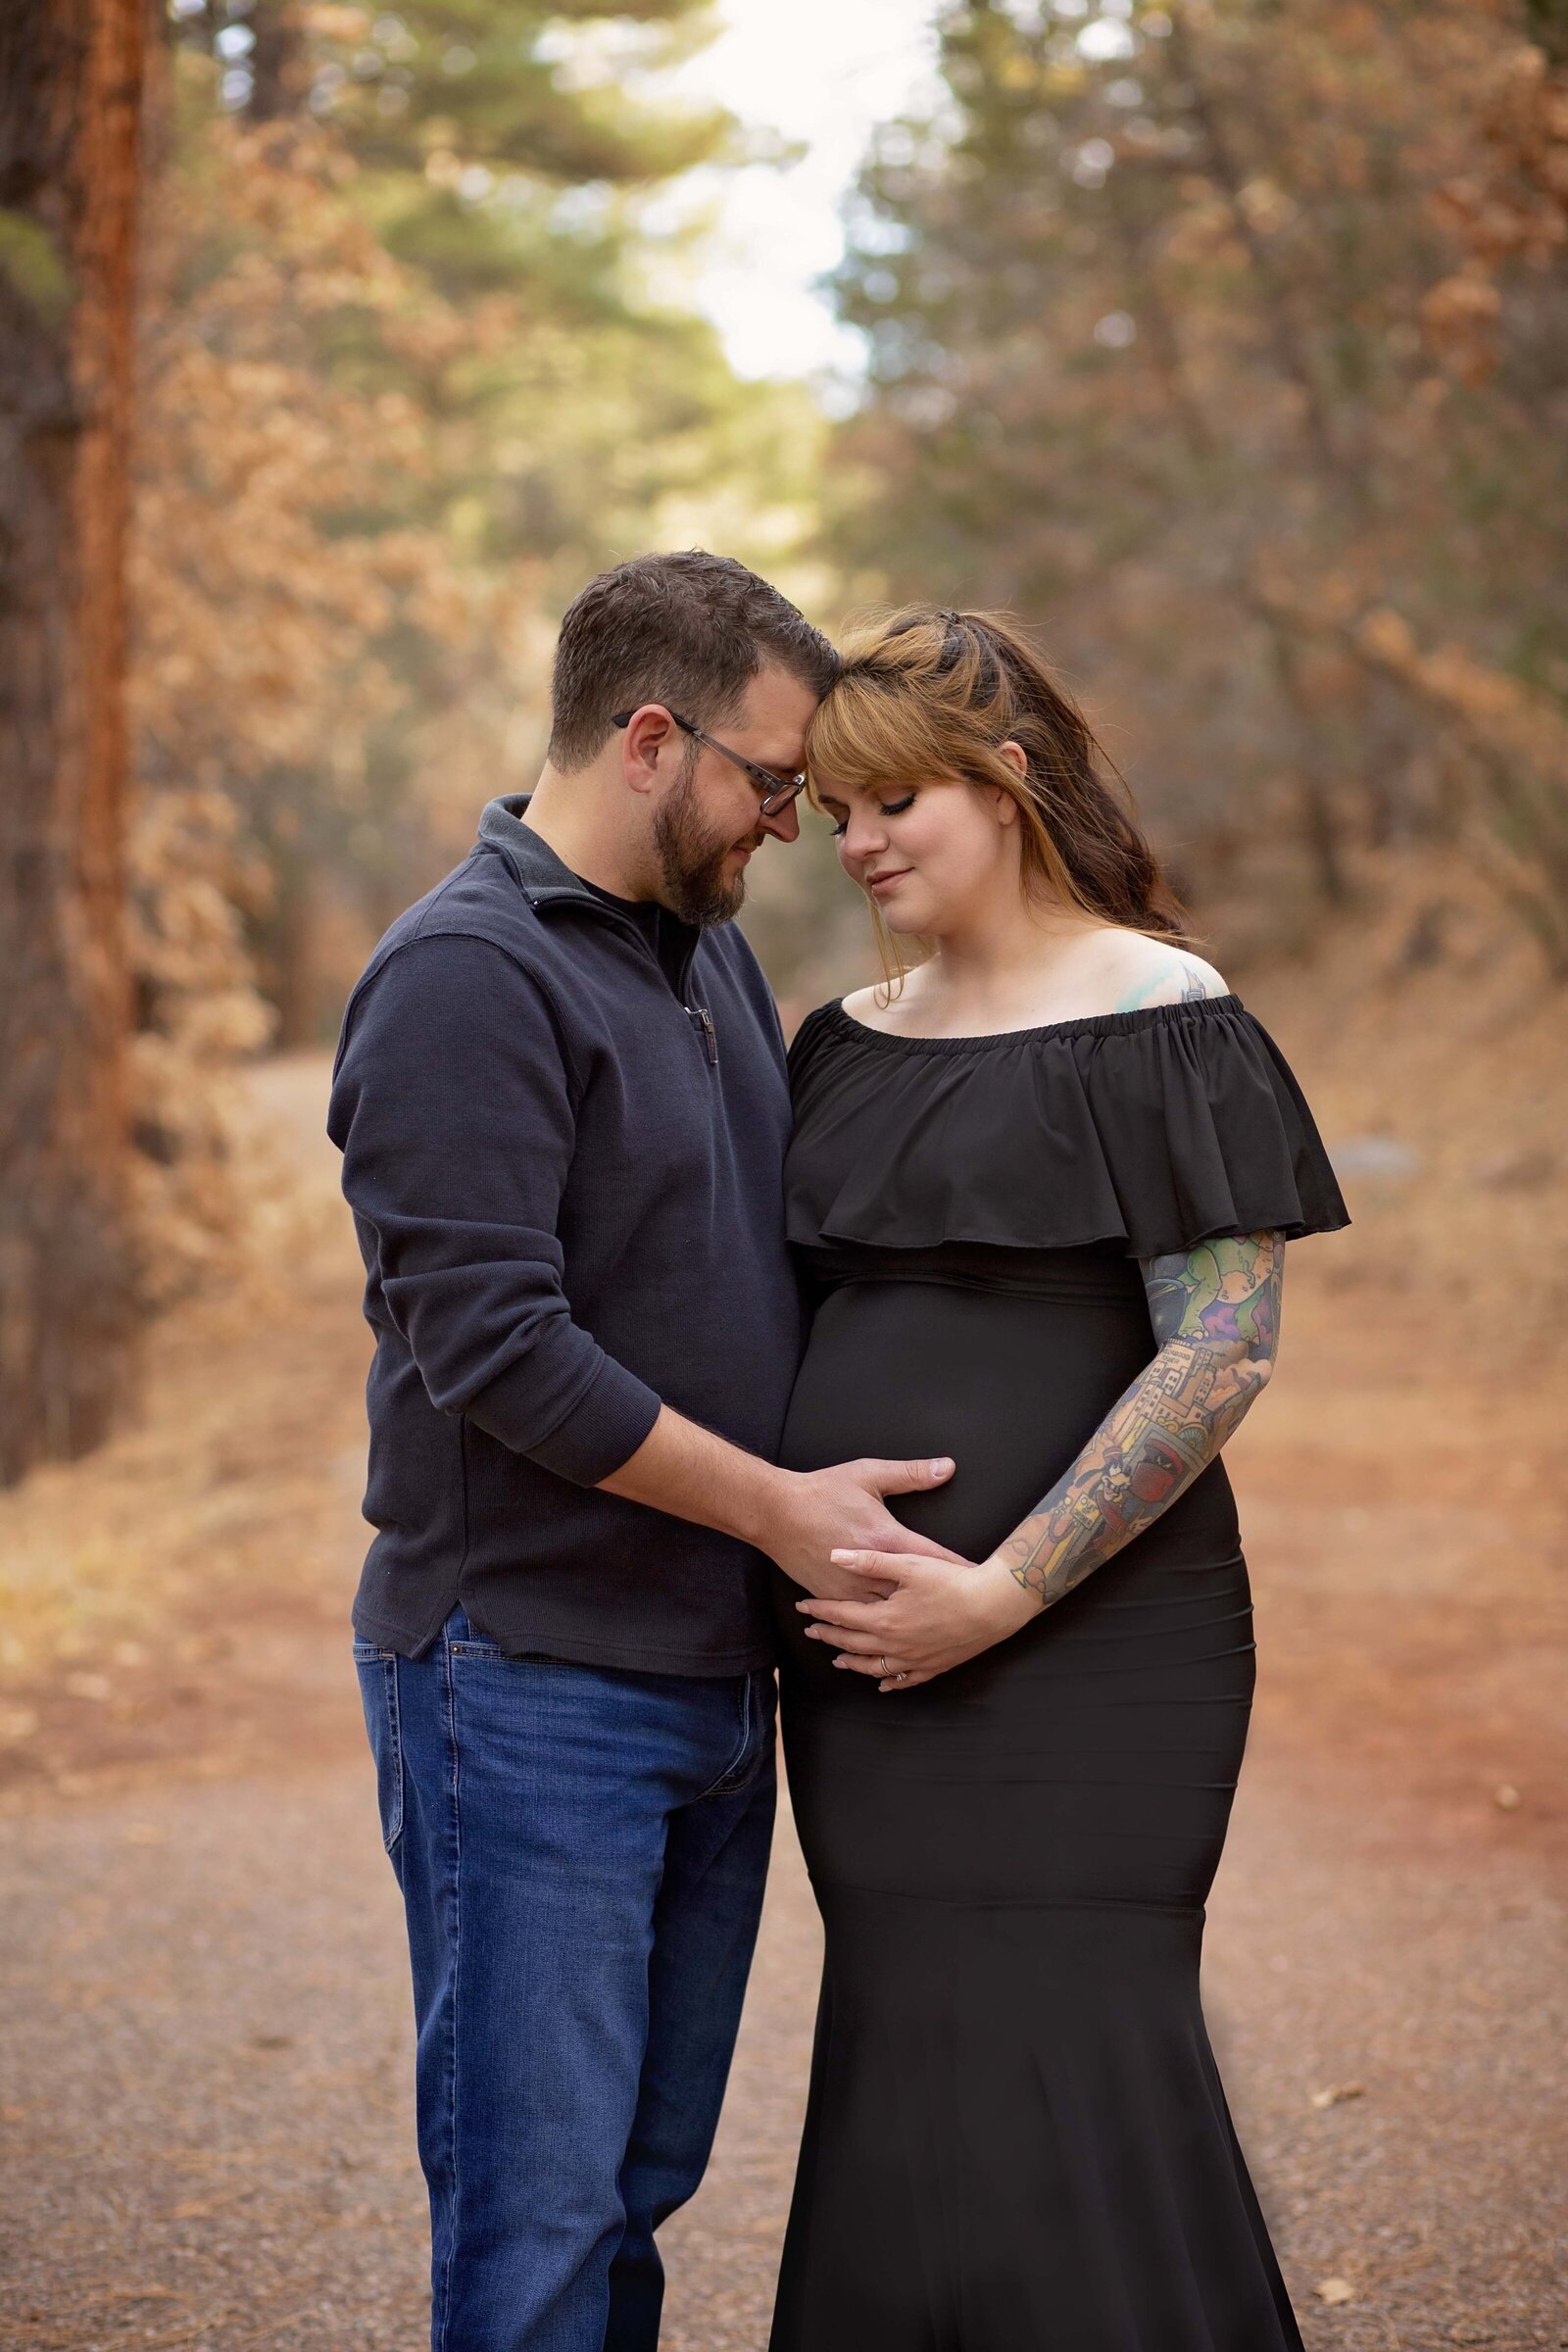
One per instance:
(396, 400)
(1227, 342)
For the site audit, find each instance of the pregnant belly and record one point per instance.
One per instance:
(1012, 1387)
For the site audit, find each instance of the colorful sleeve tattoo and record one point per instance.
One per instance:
(1215, 1312)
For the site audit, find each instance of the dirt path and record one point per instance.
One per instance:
(204, 2035)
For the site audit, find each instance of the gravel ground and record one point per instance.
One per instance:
(207, 2074)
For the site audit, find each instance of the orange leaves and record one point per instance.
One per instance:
(258, 609)
(273, 552)
(1512, 210)
(1461, 315)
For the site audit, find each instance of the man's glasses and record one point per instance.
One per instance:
(777, 790)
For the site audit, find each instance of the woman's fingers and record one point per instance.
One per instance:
(888, 1670)
(863, 1615)
(869, 1644)
(889, 1567)
(871, 1662)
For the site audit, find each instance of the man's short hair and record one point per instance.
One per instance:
(688, 630)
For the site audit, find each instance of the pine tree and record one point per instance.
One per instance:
(71, 75)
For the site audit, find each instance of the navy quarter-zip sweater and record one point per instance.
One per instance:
(566, 1183)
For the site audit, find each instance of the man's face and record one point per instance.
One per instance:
(709, 822)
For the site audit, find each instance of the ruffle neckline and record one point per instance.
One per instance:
(1148, 1131)
(1085, 1024)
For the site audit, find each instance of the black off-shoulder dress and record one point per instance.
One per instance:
(1016, 2139)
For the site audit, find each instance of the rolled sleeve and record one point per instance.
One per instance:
(601, 1429)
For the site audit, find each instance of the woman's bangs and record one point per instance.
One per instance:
(867, 735)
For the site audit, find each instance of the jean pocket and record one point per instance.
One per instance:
(378, 1670)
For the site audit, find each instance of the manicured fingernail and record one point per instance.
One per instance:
(841, 1661)
(942, 1465)
(844, 1559)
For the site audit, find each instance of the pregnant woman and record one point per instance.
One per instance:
(1040, 1187)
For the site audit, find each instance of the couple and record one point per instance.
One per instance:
(661, 1329)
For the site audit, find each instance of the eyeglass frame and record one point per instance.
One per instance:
(776, 796)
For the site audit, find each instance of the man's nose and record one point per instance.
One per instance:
(784, 824)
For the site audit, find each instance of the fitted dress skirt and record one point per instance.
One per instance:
(1016, 2134)
(1016, 2137)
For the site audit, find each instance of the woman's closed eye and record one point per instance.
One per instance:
(883, 808)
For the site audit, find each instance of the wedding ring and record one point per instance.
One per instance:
(901, 1678)
(884, 1665)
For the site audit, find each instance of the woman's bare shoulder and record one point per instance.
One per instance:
(1144, 971)
(865, 1005)
(896, 1011)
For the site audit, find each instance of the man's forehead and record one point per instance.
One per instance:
(779, 701)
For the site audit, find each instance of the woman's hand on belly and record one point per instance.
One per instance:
(936, 1615)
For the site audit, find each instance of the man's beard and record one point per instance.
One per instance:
(691, 857)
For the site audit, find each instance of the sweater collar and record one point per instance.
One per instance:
(545, 879)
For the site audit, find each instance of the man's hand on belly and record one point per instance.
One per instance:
(821, 1511)
(798, 1517)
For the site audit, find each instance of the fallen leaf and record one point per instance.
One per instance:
(193, 2209)
(1334, 2290)
(1337, 2091)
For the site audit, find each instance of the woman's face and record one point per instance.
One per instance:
(931, 855)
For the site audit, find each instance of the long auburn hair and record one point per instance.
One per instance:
(934, 693)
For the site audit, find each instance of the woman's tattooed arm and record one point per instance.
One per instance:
(1215, 1312)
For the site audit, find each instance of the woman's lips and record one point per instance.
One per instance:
(886, 880)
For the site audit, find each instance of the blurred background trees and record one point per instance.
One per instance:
(1229, 341)
(1224, 342)
(404, 386)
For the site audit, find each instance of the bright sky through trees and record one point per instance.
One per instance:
(822, 73)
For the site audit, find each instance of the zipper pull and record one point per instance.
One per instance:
(704, 1022)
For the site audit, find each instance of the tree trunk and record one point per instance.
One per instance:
(279, 72)
(71, 83)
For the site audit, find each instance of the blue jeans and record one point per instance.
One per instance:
(581, 1854)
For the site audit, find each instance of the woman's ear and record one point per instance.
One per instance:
(1003, 805)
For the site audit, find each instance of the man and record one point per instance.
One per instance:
(561, 1101)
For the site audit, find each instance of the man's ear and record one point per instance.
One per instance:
(649, 734)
